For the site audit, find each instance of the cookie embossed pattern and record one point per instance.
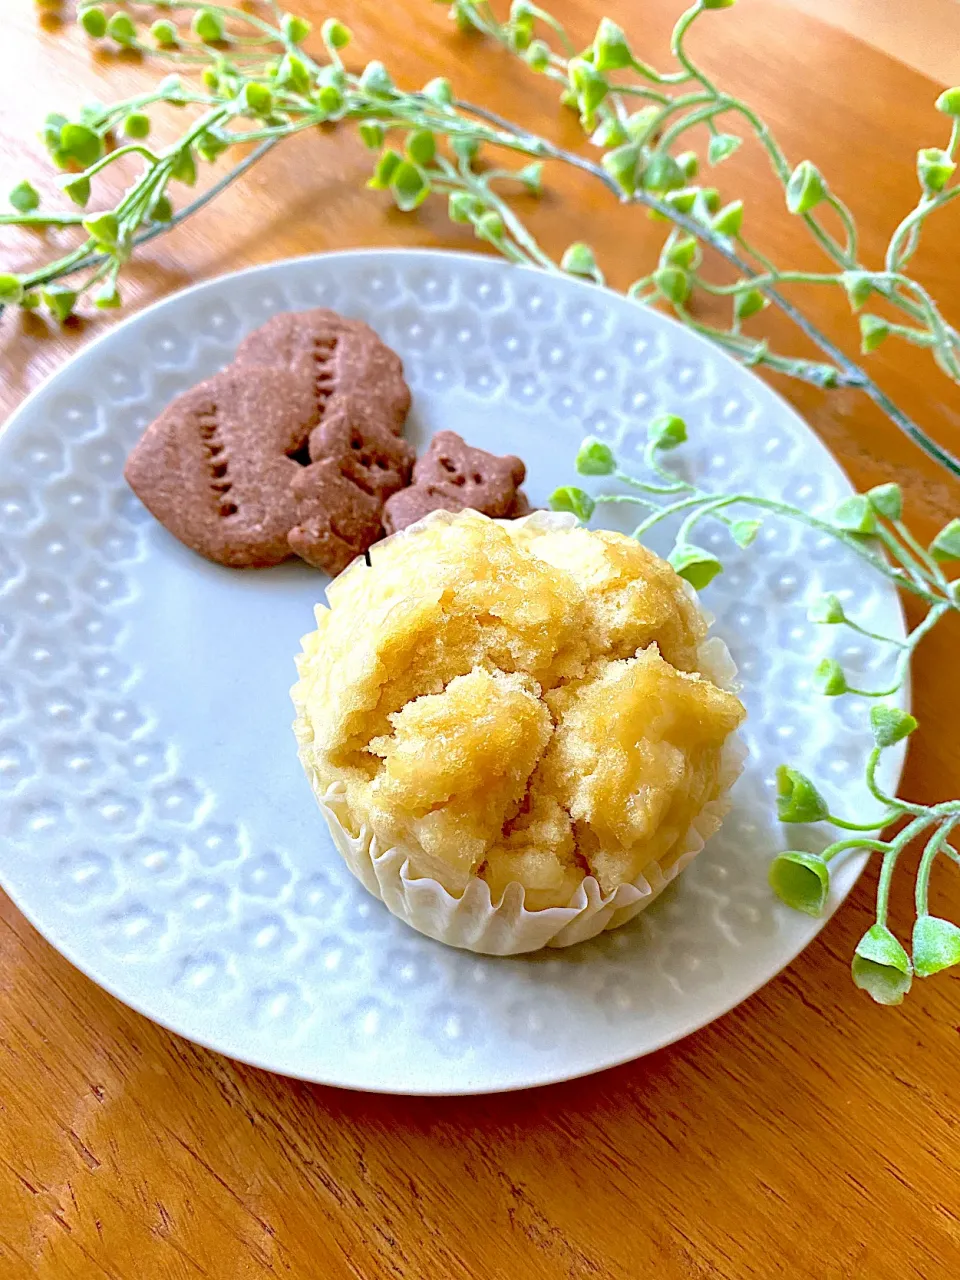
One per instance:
(154, 821)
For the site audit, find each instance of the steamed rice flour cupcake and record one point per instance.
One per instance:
(518, 731)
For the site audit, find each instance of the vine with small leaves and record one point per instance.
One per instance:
(248, 83)
(871, 526)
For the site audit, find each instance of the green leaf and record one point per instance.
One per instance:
(59, 301)
(184, 168)
(11, 290)
(748, 303)
(729, 220)
(465, 148)
(662, 173)
(439, 91)
(805, 188)
(934, 168)
(595, 458)
(821, 375)
(936, 945)
(421, 146)
(881, 967)
(609, 133)
(172, 89)
(744, 532)
(258, 98)
(81, 144)
(697, 566)
(858, 286)
(689, 164)
(24, 197)
(78, 189)
(801, 880)
(120, 27)
(463, 207)
(622, 164)
(409, 186)
(293, 73)
(640, 125)
(52, 128)
(104, 228)
(93, 21)
(108, 297)
(164, 34)
(520, 33)
(161, 210)
(384, 170)
(873, 331)
(578, 259)
(722, 146)
(949, 102)
(683, 200)
(829, 678)
(136, 125)
(209, 147)
(610, 49)
(570, 498)
(538, 55)
(296, 29)
(718, 4)
(827, 609)
(371, 134)
(682, 253)
(531, 175)
(375, 79)
(946, 545)
(208, 26)
(673, 284)
(666, 431)
(489, 226)
(855, 514)
(589, 84)
(886, 500)
(890, 725)
(462, 15)
(798, 800)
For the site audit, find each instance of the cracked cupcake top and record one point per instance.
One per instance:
(514, 701)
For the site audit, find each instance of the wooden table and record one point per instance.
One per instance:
(807, 1134)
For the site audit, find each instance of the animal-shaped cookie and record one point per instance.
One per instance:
(341, 355)
(452, 475)
(356, 463)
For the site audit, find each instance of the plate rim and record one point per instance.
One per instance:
(469, 1087)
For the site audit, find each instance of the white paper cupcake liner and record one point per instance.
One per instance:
(472, 920)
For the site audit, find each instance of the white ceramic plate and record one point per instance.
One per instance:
(154, 822)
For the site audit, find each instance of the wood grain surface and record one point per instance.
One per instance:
(924, 35)
(808, 1133)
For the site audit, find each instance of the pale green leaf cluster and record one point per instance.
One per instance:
(871, 526)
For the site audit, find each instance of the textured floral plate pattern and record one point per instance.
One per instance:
(154, 822)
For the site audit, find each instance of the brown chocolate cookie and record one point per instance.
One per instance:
(336, 519)
(453, 475)
(367, 452)
(216, 467)
(356, 463)
(520, 506)
(340, 355)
